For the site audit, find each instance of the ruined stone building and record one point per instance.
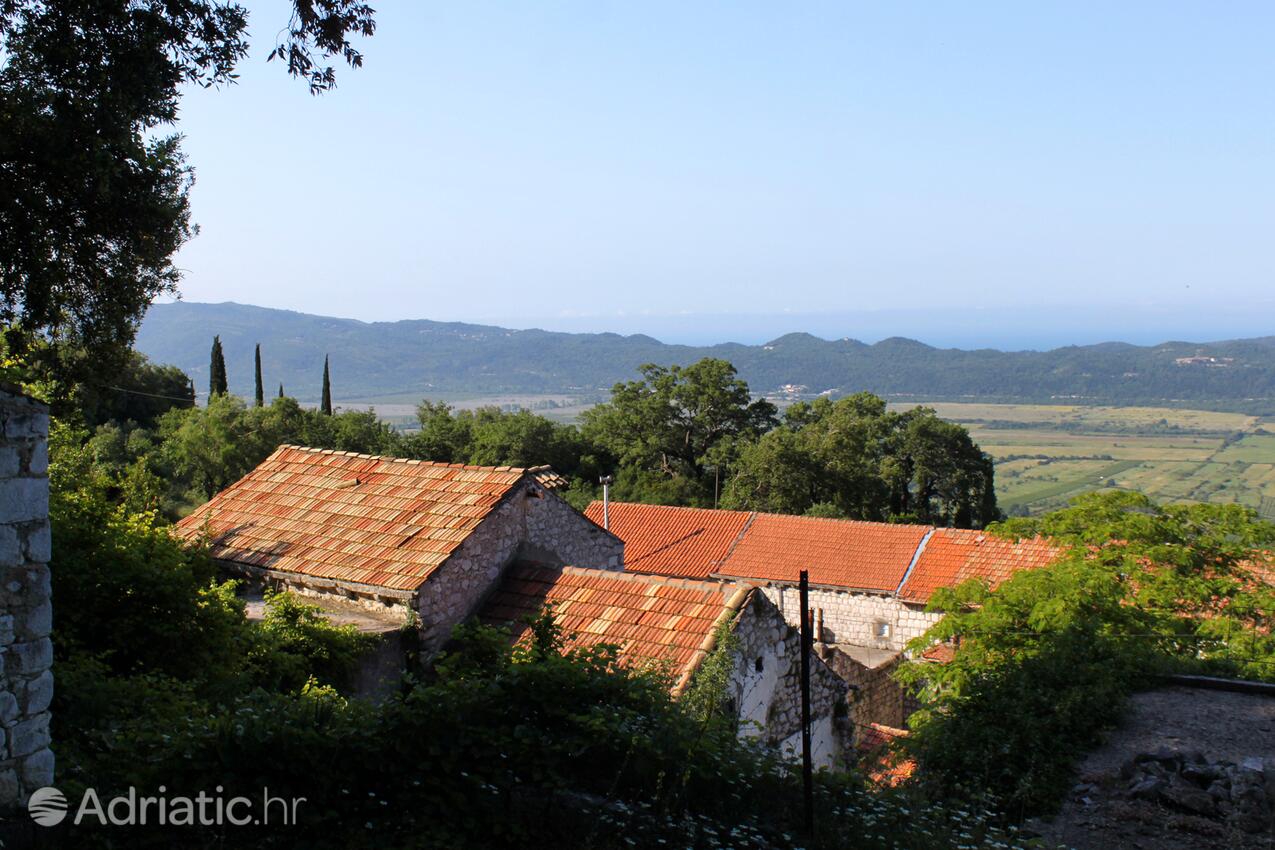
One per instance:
(870, 582)
(404, 540)
(674, 624)
(384, 543)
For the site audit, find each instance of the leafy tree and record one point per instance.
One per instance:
(259, 394)
(681, 424)
(139, 391)
(443, 436)
(93, 194)
(325, 403)
(216, 370)
(856, 459)
(1044, 661)
(214, 446)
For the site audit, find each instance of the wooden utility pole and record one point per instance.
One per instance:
(807, 763)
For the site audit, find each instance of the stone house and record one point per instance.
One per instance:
(26, 610)
(674, 624)
(869, 582)
(403, 541)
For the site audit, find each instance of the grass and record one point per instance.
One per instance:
(1096, 419)
(1254, 448)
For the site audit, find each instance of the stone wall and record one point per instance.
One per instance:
(558, 534)
(26, 612)
(531, 523)
(862, 619)
(766, 685)
(876, 697)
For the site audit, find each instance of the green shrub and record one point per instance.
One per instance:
(1045, 661)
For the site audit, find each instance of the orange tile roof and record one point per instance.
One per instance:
(650, 618)
(873, 736)
(870, 556)
(953, 555)
(687, 542)
(349, 517)
(883, 765)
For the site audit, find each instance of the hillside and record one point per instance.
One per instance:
(415, 358)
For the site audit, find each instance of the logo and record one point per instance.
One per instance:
(47, 806)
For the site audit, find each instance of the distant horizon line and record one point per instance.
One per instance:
(1042, 346)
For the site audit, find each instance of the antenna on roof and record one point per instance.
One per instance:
(606, 481)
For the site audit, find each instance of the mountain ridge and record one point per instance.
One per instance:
(421, 356)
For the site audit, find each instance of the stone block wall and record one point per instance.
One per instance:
(856, 618)
(877, 698)
(532, 523)
(559, 534)
(26, 611)
(766, 686)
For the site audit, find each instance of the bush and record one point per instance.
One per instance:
(1044, 662)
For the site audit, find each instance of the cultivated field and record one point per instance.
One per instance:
(1045, 454)
(1048, 453)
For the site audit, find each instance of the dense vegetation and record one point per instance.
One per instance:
(681, 436)
(1044, 662)
(94, 188)
(433, 358)
(854, 458)
(162, 681)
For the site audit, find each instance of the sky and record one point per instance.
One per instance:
(976, 174)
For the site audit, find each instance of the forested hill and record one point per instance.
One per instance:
(416, 358)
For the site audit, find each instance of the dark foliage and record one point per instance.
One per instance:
(325, 397)
(216, 370)
(259, 392)
(93, 198)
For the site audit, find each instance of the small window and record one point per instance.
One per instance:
(881, 629)
(758, 664)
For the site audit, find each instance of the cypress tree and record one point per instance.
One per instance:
(192, 392)
(281, 390)
(325, 403)
(217, 370)
(260, 396)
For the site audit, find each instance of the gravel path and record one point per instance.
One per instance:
(1223, 726)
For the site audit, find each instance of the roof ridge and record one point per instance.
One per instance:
(752, 515)
(845, 520)
(916, 557)
(646, 578)
(522, 470)
(614, 504)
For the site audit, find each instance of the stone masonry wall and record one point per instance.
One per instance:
(531, 523)
(26, 612)
(856, 617)
(877, 697)
(766, 684)
(558, 534)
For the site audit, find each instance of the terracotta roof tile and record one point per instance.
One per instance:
(687, 542)
(652, 619)
(871, 556)
(843, 553)
(953, 555)
(358, 518)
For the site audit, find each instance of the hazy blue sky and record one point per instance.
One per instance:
(710, 171)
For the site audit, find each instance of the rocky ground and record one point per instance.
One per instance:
(1189, 768)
